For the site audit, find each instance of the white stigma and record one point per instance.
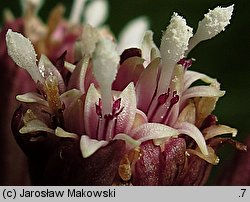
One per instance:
(105, 64)
(89, 38)
(212, 24)
(173, 45)
(22, 53)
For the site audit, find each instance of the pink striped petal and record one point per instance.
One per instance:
(126, 118)
(192, 76)
(192, 131)
(146, 85)
(74, 117)
(70, 96)
(77, 79)
(89, 78)
(129, 71)
(201, 91)
(151, 131)
(73, 112)
(90, 116)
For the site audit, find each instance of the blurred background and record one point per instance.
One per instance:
(225, 57)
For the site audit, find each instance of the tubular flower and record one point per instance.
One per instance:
(131, 119)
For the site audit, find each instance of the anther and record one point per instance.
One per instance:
(163, 97)
(186, 63)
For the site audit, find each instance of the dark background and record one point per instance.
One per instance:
(225, 57)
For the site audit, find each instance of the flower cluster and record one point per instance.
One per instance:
(134, 118)
(55, 37)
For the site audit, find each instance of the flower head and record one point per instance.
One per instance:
(56, 37)
(149, 124)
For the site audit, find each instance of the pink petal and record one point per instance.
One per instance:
(74, 117)
(70, 96)
(89, 78)
(200, 91)
(192, 131)
(129, 71)
(140, 118)
(90, 116)
(151, 131)
(192, 76)
(126, 118)
(77, 79)
(146, 85)
(174, 113)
